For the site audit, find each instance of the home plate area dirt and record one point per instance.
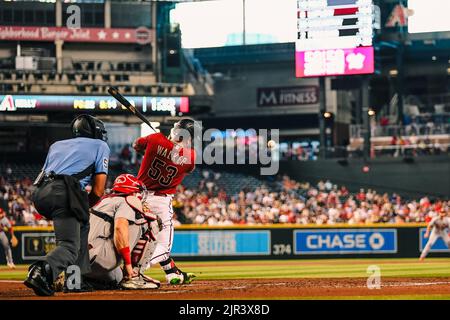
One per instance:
(334, 288)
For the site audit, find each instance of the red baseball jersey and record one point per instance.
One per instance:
(165, 164)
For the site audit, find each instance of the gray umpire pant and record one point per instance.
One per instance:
(71, 235)
(6, 247)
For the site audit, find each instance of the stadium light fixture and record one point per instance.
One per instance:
(393, 72)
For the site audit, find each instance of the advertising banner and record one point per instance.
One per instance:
(345, 241)
(287, 96)
(37, 244)
(139, 35)
(334, 62)
(221, 243)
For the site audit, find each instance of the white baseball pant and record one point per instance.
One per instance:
(162, 206)
(432, 239)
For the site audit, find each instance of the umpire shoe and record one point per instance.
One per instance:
(39, 279)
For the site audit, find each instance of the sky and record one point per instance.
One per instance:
(220, 22)
(213, 23)
(429, 16)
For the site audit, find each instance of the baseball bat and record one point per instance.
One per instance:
(119, 97)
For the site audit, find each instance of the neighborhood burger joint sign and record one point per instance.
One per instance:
(140, 35)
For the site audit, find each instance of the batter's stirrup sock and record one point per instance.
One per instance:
(169, 266)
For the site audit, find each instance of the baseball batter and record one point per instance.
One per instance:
(439, 227)
(6, 227)
(118, 223)
(167, 160)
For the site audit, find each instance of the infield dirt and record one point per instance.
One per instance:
(344, 288)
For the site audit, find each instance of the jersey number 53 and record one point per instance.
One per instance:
(156, 172)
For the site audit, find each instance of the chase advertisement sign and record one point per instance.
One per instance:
(345, 241)
(221, 243)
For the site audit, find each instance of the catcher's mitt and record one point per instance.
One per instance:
(14, 241)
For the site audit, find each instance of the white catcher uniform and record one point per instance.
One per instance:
(441, 228)
(105, 260)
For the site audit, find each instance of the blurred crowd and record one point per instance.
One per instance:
(288, 201)
(15, 199)
(280, 201)
(416, 146)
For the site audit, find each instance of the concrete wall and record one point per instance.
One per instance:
(425, 176)
(106, 52)
(236, 91)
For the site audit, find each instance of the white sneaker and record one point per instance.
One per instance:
(148, 279)
(11, 265)
(182, 278)
(137, 283)
(174, 278)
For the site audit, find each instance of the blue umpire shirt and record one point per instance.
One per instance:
(72, 156)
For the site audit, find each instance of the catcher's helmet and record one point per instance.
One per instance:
(127, 184)
(190, 125)
(88, 126)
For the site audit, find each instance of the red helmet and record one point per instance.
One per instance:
(127, 184)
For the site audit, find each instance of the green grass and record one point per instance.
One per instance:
(313, 268)
(245, 269)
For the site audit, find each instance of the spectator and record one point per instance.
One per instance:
(282, 201)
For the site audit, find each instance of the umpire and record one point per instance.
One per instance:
(60, 196)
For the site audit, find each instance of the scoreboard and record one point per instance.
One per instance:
(334, 37)
(97, 104)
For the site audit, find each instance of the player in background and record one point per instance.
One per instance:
(118, 222)
(439, 227)
(167, 160)
(6, 227)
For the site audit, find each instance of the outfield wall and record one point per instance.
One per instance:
(427, 175)
(268, 242)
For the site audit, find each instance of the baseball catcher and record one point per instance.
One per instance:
(119, 222)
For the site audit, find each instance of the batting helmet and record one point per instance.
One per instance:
(190, 125)
(88, 126)
(127, 184)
